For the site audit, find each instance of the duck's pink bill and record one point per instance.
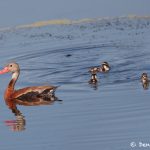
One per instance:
(5, 70)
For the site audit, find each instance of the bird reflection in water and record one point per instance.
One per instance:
(145, 86)
(94, 85)
(18, 124)
(93, 81)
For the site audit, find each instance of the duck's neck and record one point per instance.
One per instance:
(11, 85)
(12, 82)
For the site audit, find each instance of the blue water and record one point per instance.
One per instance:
(107, 116)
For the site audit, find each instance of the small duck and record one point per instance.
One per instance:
(104, 67)
(94, 70)
(145, 81)
(93, 75)
(144, 78)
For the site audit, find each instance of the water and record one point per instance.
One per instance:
(110, 115)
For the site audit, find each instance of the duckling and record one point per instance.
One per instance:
(145, 81)
(104, 67)
(144, 78)
(94, 70)
(93, 75)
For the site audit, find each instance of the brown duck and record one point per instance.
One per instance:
(34, 95)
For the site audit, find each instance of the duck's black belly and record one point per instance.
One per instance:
(35, 96)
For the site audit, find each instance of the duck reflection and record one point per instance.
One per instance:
(19, 123)
(93, 81)
(145, 86)
(94, 85)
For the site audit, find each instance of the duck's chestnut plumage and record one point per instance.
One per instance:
(34, 95)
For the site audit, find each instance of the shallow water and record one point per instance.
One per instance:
(109, 115)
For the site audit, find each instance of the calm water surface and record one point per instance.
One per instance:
(107, 116)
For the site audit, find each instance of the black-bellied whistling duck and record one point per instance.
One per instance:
(35, 95)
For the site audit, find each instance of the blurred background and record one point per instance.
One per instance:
(18, 12)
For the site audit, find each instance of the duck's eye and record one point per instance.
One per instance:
(10, 65)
